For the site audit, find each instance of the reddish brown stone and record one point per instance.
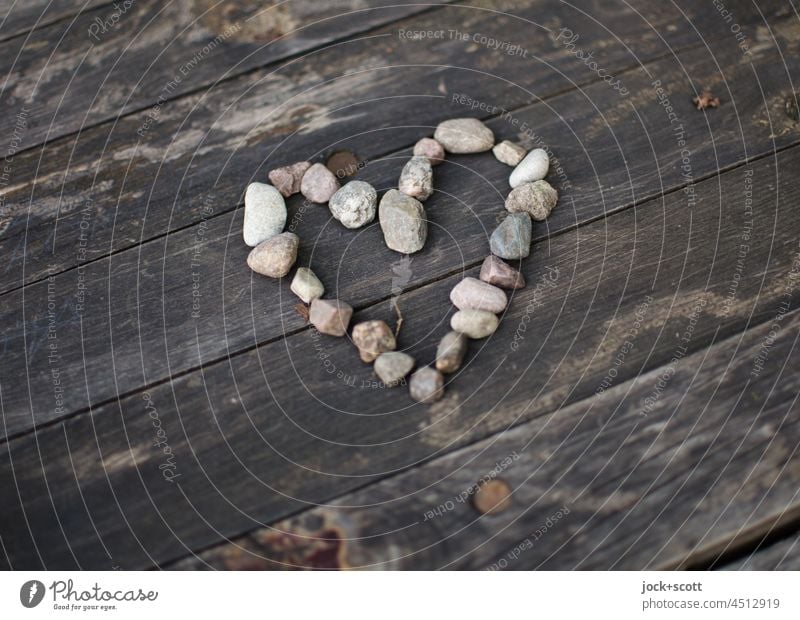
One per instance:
(499, 273)
(330, 316)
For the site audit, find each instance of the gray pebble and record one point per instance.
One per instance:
(426, 385)
(430, 148)
(275, 256)
(392, 366)
(319, 184)
(474, 294)
(416, 179)
(464, 135)
(306, 285)
(373, 338)
(475, 324)
(354, 204)
(533, 168)
(512, 239)
(403, 222)
(537, 199)
(264, 213)
(509, 153)
(450, 352)
(330, 316)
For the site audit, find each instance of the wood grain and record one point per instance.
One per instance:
(155, 171)
(601, 484)
(265, 434)
(781, 555)
(183, 300)
(18, 18)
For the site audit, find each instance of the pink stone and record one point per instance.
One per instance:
(430, 148)
(373, 338)
(473, 294)
(275, 256)
(319, 184)
(330, 316)
(499, 273)
(287, 179)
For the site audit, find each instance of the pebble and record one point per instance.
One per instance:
(354, 204)
(306, 285)
(342, 164)
(403, 222)
(475, 324)
(475, 294)
(264, 213)
(464, 135)
(318, 184)
(450, 352)
(426, 385)
(496, 272)
(287, 179)
(416, 179)
(430, 148)
(492, 497)
(330, 316)
(537, 199)
(373, 338)
(392, 366)
(275, 256)
(509, 153)
(512, 239)
(533, 168)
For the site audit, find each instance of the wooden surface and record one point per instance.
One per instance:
(640, 390)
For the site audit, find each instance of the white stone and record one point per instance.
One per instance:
(354, 204)
(264, 213)
(533, 168)
(306, 285)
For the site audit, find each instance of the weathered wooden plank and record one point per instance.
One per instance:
(598, 484)
(17, 18)
(264, 434)
(155, 310)
(158, 170)
(781, 555)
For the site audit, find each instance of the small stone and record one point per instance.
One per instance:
(287, 179)
(392, 366)
(373, 338)
(330, 316)
(275, 256)
(306, 285)
(416, 179)
(426, 385)
(509, 153)
(492, 497)
(450, 352)
(318, 184)
(403, 222)
(342, 164)
(512, 239)
(264, 213)
(537, 199)
(533, 168)
(430, 148)
(475, 294)
(464, 135)
(475, 324)
(354, 204)
(496, 272)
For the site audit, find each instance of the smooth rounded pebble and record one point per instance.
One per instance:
(430, 148)
(306, 285)
(330, 316)
(287, 179)
(475, 294)
(499, 273)
(354, 204)
(537, 199)
(318, 184)
(492, 497)
(475, 324)
(509, 153)
(426, 385)
(403, 222)
(450, 352)
(264, 213)
(512, 239)
(533, 168)
(373, 338)
(275, 256)
(416, 179)
(392, 366)
(464, 135)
